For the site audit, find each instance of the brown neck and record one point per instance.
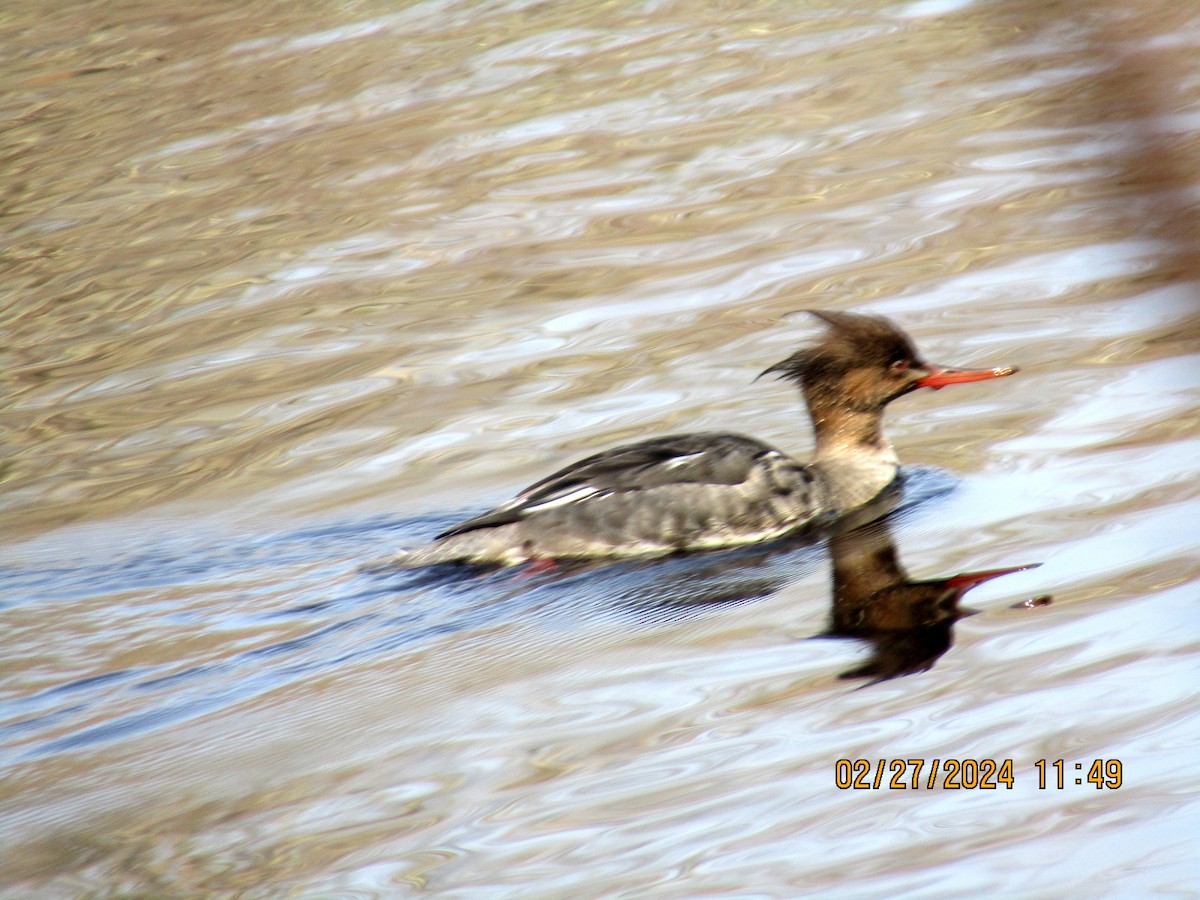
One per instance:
(842, 430)
(855, 460)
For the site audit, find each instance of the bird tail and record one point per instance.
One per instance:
(472, 547)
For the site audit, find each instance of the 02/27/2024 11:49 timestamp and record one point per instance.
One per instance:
(970, 774)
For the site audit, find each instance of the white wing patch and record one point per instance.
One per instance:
(681, 460)
(583, 492)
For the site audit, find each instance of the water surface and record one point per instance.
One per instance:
(288, 287)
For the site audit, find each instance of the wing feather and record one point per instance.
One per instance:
(702, 458)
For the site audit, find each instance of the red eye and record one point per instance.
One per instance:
(900, 365)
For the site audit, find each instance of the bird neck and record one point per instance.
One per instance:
(844, 430)
(855, 459)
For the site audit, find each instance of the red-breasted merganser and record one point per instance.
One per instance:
(713, 490)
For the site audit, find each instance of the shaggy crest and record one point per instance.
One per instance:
(852, 340)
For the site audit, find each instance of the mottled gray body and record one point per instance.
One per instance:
(680, 493)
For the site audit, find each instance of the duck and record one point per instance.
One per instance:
(704, 491)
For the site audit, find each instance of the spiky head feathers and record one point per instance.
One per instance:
(867, 358)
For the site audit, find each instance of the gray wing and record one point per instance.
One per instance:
(703, 458)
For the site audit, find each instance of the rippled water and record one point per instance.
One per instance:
(289, 286)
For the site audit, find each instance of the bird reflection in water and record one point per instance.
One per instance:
(909, 624)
